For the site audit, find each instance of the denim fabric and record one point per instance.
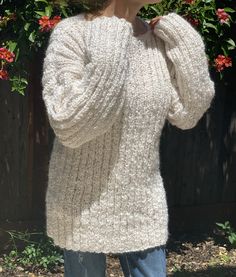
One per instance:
(147, 263)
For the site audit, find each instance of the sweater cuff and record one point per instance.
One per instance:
(174, 29)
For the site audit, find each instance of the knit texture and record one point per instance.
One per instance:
(107, 95)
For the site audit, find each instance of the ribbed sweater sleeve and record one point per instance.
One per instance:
(84, 75)
(192, 89)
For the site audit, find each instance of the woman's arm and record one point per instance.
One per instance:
(83, 99)
(192, 89)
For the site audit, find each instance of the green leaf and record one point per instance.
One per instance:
(32, 36)
(44, 1)
(12, 45)
(229, 10)
(231, 239)
(210, 25)
(48, 11)
(7, 12)
(18, 84)
(227, 23)
(26, 26)
(231, 42)
(154, 9)
(206, 31)
(64, 12)
(221, 225)
(40, 13)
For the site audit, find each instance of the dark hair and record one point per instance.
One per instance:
(93, 7)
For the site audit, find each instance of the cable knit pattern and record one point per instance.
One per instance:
(108, 94)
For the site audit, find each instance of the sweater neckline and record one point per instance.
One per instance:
(140, 36)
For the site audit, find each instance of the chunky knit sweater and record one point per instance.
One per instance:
(107, 95)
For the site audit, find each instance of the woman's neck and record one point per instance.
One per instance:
(139, 27)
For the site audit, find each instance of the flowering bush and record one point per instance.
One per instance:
(212, 22)
(25, 27)
(46, 24)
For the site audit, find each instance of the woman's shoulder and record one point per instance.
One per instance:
(68, 36)
(71, 25)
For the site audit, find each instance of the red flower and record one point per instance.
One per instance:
(222, 61)
(189, 1)
(55, 20)
(44, 22)
(4, 74)
(7, 55)
(47, 24)
(222, 15)
(193, 21)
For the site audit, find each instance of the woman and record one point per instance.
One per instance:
(110, 81)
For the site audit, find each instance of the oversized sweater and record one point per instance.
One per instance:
(107, 95)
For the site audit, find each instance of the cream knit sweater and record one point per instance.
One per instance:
(108, 94)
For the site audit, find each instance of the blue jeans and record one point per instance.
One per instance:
(147, 263)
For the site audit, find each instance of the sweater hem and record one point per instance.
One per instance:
(114, 251)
